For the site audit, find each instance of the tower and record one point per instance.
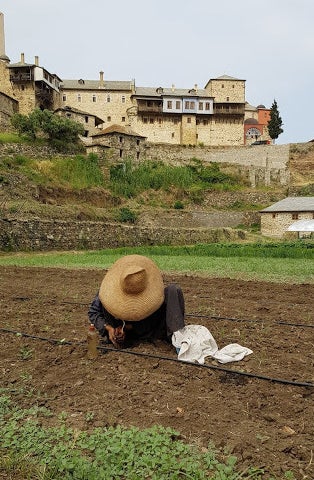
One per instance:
(3, 56)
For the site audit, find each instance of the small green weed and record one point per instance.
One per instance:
(26, 352)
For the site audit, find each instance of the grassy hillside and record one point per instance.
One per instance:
(87, 188)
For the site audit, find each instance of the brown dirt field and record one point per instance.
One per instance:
(264, 423)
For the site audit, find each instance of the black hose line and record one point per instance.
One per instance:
(169, 359)
(194, 315)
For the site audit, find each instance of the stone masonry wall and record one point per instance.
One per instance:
(264, 164)
(276, 224)
(44, 235)
(8, 106)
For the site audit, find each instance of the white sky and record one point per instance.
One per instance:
(270, 44)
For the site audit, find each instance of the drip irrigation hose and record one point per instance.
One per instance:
(217, 317)
(194, 315)
(169, 359)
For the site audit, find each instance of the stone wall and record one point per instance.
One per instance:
(45, 235)
(263, 164)
(8, 106)
(275, 224)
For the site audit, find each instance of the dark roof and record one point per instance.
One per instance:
(170, 92)
(78, 112)
(251, 121)
(21, 64)
(292, 204)
(82, 84)
(118, 129)
(227, 77)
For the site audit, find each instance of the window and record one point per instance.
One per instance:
(207, 106)
(205, 122)
(137, 142)
(178, 105)
(121, 139)
(273, 215)
(295, 216)
(121, 153)
(64, 98)
(86, 119)
(94, 98)
(200, 106)
(169, 104)
(187, 105)
(222, 86)
(79, 98)
(172, 135)
(192, 105)
(108, 98)
(108, 119)
(123, 119)
(151, 120)
(188, 120)
(227, 99)
(145, 120)
(123, 99)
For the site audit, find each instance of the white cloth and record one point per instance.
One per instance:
(195, 343)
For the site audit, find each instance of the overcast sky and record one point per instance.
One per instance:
(270, 44)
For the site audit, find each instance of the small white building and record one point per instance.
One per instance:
(278, 218)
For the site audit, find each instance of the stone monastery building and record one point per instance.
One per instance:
(216, 115)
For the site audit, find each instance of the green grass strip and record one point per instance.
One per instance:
(268, 264)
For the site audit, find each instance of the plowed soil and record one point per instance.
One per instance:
(264, 415)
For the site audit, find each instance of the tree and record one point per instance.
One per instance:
(275, 122)
(59, 130)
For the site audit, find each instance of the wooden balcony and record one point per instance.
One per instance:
(149, 107)
(229, 109)
(21, 77)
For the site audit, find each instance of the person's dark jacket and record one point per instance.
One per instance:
(161, 324)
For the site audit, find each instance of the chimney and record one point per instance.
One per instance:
(196, 87)
(101, 80)
(2, 40)
(22, 58)
(173, 87)
(36, 61)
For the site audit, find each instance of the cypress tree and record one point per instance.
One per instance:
(275, 122)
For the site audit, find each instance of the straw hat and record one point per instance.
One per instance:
(132, 289)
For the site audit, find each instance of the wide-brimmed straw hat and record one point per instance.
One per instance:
(132, 289)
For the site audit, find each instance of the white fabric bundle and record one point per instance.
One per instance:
(195, 343)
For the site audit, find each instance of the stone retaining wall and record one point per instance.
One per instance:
(262, 164)
(45, 235)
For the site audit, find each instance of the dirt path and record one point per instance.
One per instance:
(264, 423)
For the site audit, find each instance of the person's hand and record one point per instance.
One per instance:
(111, 333)
(119, 335)
(116, 335)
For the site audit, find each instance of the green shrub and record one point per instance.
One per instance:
(125, 215)
(178, 205)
